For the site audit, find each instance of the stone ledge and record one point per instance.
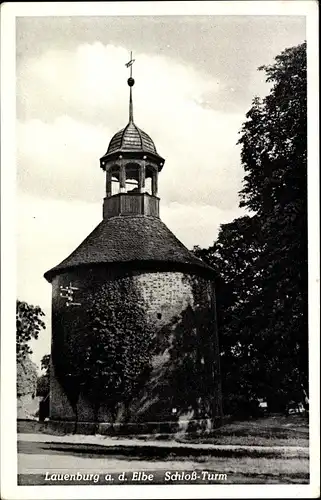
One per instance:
(120, 429)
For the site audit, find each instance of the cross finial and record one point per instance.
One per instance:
(130, 64)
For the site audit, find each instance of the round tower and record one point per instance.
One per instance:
(134, 337)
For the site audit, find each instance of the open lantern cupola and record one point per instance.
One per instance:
(132, 165)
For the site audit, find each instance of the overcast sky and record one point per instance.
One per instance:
(195, 79)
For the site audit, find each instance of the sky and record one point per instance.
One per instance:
(195, 79)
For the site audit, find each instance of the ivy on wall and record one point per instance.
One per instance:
(129, 366)
(107, 355)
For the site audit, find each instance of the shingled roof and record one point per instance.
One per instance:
(131, 239)
(131, 138)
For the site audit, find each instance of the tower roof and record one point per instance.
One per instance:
(131, 231)
(132, 239)
(131, 139)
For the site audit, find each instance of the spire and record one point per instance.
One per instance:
(131, 83)
(131, 112)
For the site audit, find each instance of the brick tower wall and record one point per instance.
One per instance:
(183, 385)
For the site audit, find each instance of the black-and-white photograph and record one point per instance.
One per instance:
(161, 289)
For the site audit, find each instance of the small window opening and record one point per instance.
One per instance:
(148, 185)
(114, 186)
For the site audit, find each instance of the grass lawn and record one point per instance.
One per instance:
(275, 430)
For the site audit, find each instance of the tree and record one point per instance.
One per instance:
(26, 377)
(261, 259)
(45, 363)
(233, 255)
(274, 157)
(28, 326)
(43, 382)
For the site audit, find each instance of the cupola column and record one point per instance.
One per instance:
(122, 177)
(108, 183)
(142, 175)
(155, 183)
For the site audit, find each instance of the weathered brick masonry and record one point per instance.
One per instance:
(165, 296)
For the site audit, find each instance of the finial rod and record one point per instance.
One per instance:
(131, 111)
(130, 82)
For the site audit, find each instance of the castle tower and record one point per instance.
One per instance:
(134, 338)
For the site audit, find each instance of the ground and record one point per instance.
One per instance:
(271, 450)
(275, 430)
